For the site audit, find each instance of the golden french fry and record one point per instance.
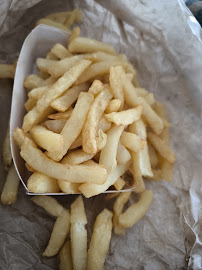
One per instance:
(41, 183)
(136, 211)
(71, 173)
(118, 208)
(53, 24)
(161, 147)
(47, 139)
(64, 102)
(10, 189)
(138, 184)
(90, 190)
(123, 155)
(55, 125)
(69, 188)
(7, 71)
(116, 84)
(38, 92)
(73, 125)
(62, 115)
(96, 87)
(72, 18)
(32, 81)
(78, 234)
(125, 117)
(90, 128)
(119, 184)
(60, 51)
(7, 156)
(132, 141)
(34, 116)
(108, 153)
(60, 231)
(113, 106)
(66, 257)
(43, 64)
(100, 240)
(49, 204)
(86, 45)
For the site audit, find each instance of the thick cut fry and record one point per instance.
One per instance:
(47, 139)
(108, 153)
(138, 184)
(49, 204)
(136, 211)
(60, 51)
(118, 208)
(123, 155)
(7, 71)
(59, 234)
(43, 64)
(69, 188)
(161, 147)
(71, 173)
(68, 98)
(125, 117)
(10, 189)
(78, 234)
(96, 87)
(33, 81)
(86, 45)
(66, 257)
(113, 106)
(34, 116)
(90, 128)
(62, 115)
(7, 157)
(74, 124)
(116, 84)
(119, 184)
(53, 24)
(90, 190)
(100, 241)
(55, 125)
(37, 93)
(41, 183)
(132, 141)
(152, 156)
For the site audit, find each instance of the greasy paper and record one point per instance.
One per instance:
(163, 41)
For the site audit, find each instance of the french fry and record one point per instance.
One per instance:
(123, 155)
(138, 184)
(69, 188)
(152, 156)
(104, 124)
(32, 81)
(49, 204)
(53, 24)
(71, 173)
(55, 125)
(7, 156)
(64, 102)
(49, 81)
(73, 125)
(116, 84)
(108, 153)
(100, 240)
(43, 64)
(119, 184)
(74, 34)
(90, 190)
(10, 189)
(37, 93)
(113, 106)
(136, 211)
(78, 234)
(60, 51)
(62, 115)
(66, 257)
(19, 136)
(72, 18)
(96, 87)
(47, 139)
(43, 74)
(7, 71)
(34, 116)
(60, 231)
(125, 117)
(90, 128)
(86, 45)
(41, 183)
(117, 209)
(167, 171)
(132, 141)
(51, 56)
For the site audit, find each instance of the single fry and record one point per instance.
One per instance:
(60, 51)
(74, 124)
(7, 157)
(47, 139)
(104, 124)
(136, 211)
(10, 189)
(125, 117)
(118, 208)
(37, 93)
(41, 183)
(96, 87)
(64, 102)
(161, 147)
(123, 155)
(108, 153)
(132, 141)
(69, 188)
(78, 234)
(43, 64)
(66, 257)
(33, 81)
(119, 184)
(113, 106)
(90, 128)
(55, 125)
(53, 24)
(49, 204)
(100, 241)
(86, 45)
(116, 84)
(7, 71)
(138, 184)
(71, 173)
(60, 231)
(62, 115)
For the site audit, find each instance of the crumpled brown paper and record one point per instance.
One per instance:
(163, 41)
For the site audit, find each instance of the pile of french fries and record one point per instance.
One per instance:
(88, 125)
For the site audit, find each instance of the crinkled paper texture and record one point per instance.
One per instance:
(163, 41)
